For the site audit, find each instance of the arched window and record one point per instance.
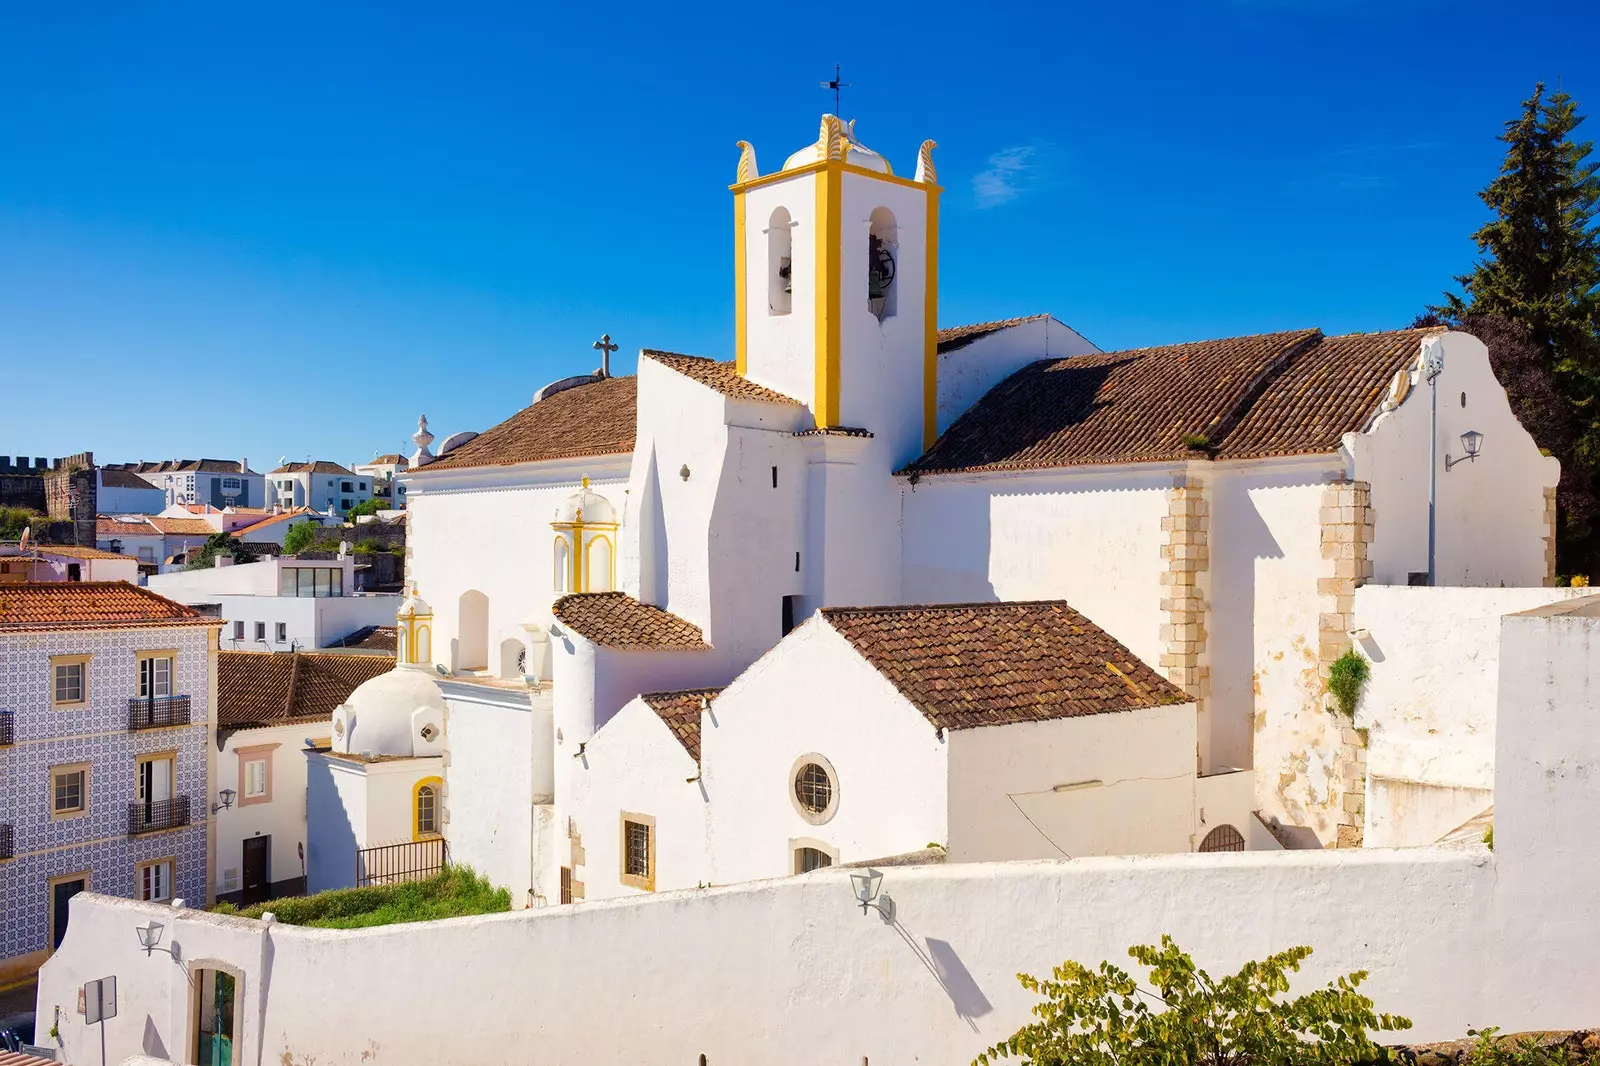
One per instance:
(780, 263)
(513, 658)
(883, 252)
(597, 565)
(424, 643)
(472, 631)
(563, 565)
(1223, 838)
(425, 809)
(402, 647)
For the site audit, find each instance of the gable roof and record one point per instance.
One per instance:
(73, 551)
(1290, 393)
(680, 711)
(954, 338)
(320, 466)
(266, 688)
(187, 527)
(114, 477)
(107, 527)
(282, 516)
(593, 419)
(723, 377)
(617, 620)
(370, 638)
(188, 466)
(969, 665)
(91, 605)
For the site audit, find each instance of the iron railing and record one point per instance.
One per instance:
(157, 712)
(150, 816)
(8, 727)
(412, 860)
(7, 841)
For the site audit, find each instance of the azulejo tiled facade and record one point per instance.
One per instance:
(45, 845)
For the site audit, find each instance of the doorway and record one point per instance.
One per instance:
(62, 889)
(257, 886)
(155, 779)
(215, 1016)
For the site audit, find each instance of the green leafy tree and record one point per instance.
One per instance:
(215, 545)
(13, 520)
(300, 537)
(1103, 1017)
(365, 507)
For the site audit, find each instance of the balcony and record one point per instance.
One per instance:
(158, 712)
(152, 816)
(7, 841)
(8, 728)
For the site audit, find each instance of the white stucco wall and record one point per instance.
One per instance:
(500, 754)
(1429, 706)
(391, 790)
(336, 820)
(970, 371)
(635, 764)
(1134, 778)
(1452, 938)
(283, 817)
(1490, 521)
(1090, 537)
(814, 694)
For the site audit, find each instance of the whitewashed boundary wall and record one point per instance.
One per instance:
(790, 971)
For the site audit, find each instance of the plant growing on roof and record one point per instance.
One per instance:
(1103, 1017)
(1347, 679)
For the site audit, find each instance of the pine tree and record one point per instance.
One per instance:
(1540, 272)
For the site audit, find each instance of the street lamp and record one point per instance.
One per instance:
(1472, 441)
(226, 796)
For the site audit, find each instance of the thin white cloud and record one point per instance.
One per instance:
(1012, 171)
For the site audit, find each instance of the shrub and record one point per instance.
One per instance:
(1525, 1050)
(1102, 1017)
(1347, 678)
(457, 891)
(300, 536)
(13, 520)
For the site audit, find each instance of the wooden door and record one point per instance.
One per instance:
(61, 893)
(257, 875)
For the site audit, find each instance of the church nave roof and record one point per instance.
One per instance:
(593, 419)
(680, 711)
(723, 377)
(1273, 394)
(617, 620)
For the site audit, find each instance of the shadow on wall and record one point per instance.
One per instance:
(952, 974)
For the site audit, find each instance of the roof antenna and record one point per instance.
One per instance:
(835, 85)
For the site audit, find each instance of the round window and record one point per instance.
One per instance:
(815, 792)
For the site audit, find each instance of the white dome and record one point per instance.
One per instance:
(380, 716)
(586, 506)
(413, 606)
(856, 153)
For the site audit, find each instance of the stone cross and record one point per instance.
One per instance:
(605, 348)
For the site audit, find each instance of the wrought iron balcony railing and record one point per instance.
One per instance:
(156, 712)
(8, 728)
(150, 816)
(7, 841)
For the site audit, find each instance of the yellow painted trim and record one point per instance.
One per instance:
(611, 551)
(437, 784)
(87, 769)
(741, 287)
(850, 168)
(648, 881)
(930, 324)
(782, 175)
(829, 264)
(562, 539)
(70, 660)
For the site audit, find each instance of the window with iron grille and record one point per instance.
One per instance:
(566, 884)
(1223, 838)
(813, 788)
(638, 850)
(808, 859)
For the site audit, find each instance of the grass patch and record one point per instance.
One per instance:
(456, 892)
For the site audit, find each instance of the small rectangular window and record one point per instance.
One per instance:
(155, 676)
(255, 778)
(638, 851)
(70, 680)
(69, 790)
(281, 632)
(238, 631)
(774, 477)
(261, 631)
(344, 486)
(153, 880)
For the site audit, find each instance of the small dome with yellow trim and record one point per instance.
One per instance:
(586, 506)
(414, 606)
(848, 148)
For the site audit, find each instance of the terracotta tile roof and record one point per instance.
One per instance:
(952, 338)
(91, 605)
(114, 527)
(370, 638)
(981, 664)
(72, 551)
(593, 419)
(188, 466)
(1325, 393)
(284, 516)
(393, 459)
(719, 376)
(320, 466)
(617, 620)
(1285, 393)
(188, 527)
(265, 688)
(680, 711)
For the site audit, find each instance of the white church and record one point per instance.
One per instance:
(876, 590)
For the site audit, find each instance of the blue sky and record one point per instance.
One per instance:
(288, 229)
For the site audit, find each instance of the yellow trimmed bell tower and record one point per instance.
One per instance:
(414, 632)
(836, 276)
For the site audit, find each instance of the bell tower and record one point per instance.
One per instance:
(836, 285)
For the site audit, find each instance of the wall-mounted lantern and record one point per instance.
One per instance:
(225, 798)
(1472, 441)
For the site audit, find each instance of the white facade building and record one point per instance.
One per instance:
(218, 483)
(381, 472)
(281, 603)
(121, 491)
(320, 485)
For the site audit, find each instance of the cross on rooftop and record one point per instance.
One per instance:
(835, 85)
(605, 348)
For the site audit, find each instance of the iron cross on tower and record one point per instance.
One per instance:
(835, 85)
(605, 348)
